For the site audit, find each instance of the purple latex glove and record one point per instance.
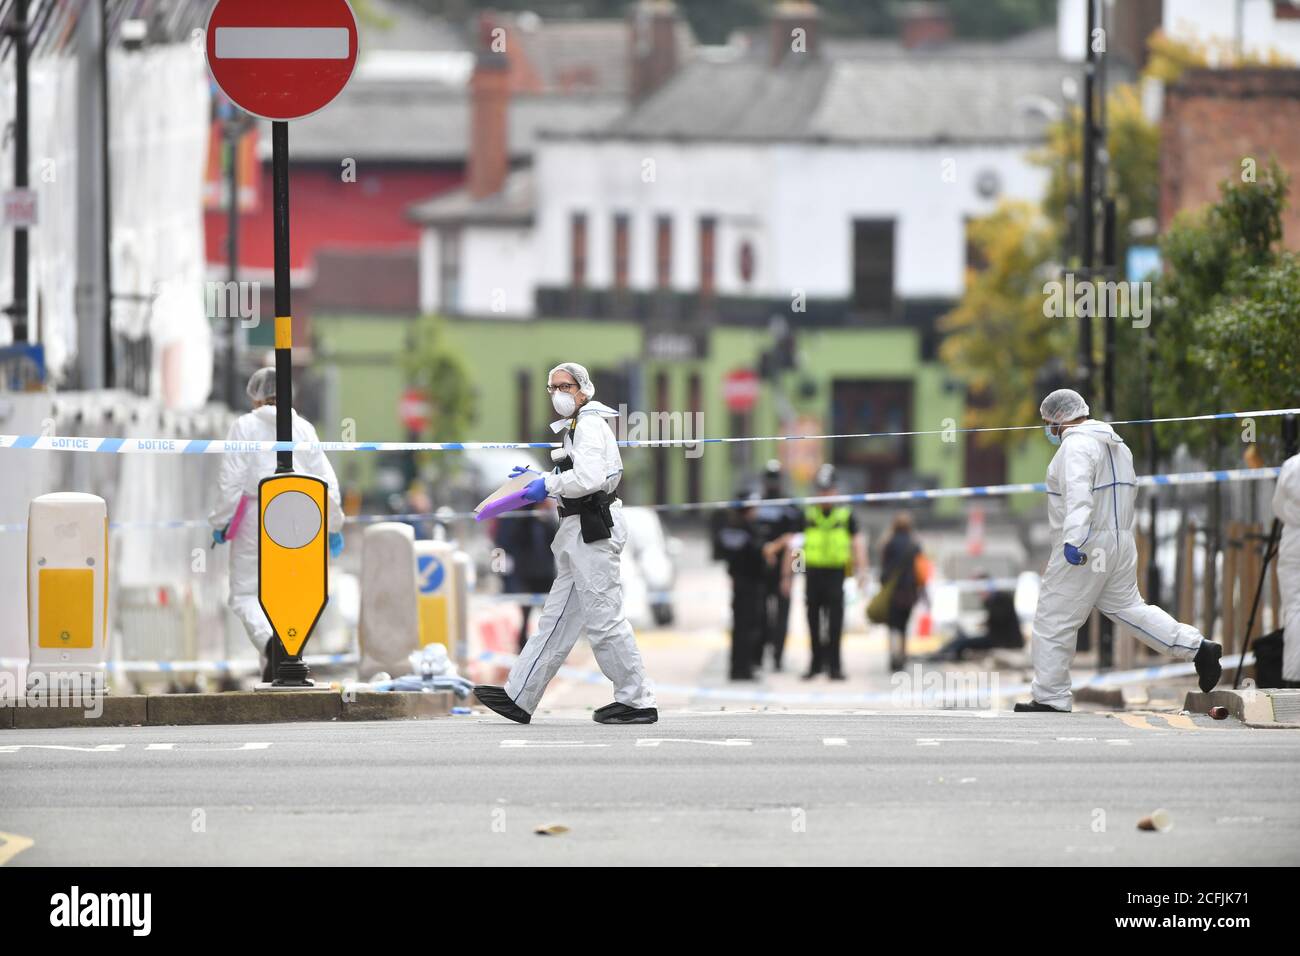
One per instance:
(536, 490)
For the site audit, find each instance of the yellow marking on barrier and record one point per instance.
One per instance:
(67, 602)
(283, 332)
(292, 579)
(11, 844)
(435, 621)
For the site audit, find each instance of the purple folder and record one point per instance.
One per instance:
(505, 503)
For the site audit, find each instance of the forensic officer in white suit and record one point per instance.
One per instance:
(1286, 508)
(1091, 487)
(587, 595)
(241, 472)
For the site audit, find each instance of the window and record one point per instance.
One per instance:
(578, 250)
(708, 246)
(621, 250)
(661, 462)
(975, 258)
(524, 403)
(986, 461)
(867, 406)
(449, 271)
(695, 404)
(663, 252)
(873, 265)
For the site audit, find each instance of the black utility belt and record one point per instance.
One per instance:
(593, 513)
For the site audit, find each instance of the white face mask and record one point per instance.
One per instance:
(565, 404)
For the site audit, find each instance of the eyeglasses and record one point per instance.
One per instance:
(565, 387)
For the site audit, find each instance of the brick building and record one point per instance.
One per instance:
(1215, 119)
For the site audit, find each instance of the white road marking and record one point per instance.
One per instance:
(936, 741)
(118, 748)
(516, 744)
(729, 742)
(834, 742)
(97, 749)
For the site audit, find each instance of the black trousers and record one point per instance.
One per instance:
(776, 621)
(824, 595)
(746, 625)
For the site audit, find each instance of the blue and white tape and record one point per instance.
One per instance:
(205, 446)
(870, 497)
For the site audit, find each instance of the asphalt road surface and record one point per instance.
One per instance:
(698, 788)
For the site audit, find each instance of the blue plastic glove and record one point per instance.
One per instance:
(521, 470)
(535, 491)
(219, 536)
(1074, 555)
(336, 543)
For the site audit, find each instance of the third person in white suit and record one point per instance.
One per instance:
(1091, 488)
(234, 518)
(1286, 508)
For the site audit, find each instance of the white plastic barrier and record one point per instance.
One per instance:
(389, 628)
(67, 590)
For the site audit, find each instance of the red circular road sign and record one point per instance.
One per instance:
(413, 409)
(740, 389)
(281, 60)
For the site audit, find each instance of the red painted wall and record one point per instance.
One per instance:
(326, 212)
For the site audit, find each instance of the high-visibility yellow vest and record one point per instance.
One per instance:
(826, 539)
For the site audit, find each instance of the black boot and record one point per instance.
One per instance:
(268, 669)
(1208, 668)
(617, 713)
(1034, 707)
(496, 699)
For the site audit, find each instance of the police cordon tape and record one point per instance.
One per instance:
(869, 497)
(960, 694)
(207, 446)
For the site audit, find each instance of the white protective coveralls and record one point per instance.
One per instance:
(587, 594)
(240, 474)
(1286, 507)
(1091, 487)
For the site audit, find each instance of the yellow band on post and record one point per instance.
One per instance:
(283, 332)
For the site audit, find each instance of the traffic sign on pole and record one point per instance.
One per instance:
(283, 61)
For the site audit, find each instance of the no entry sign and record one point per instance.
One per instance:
(282, 59)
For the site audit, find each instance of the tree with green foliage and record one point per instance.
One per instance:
(429, 365)
(1227, 309)
(1000, 335)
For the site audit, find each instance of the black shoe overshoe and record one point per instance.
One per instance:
(496, 699)
(617, 713)
(1208, 668)
(1034, 707)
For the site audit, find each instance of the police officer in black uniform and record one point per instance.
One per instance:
(775, 523)
(737, 540)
